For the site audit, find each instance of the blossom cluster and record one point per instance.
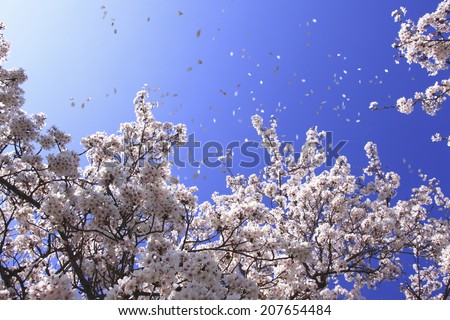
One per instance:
(4, 44)
(425, 43)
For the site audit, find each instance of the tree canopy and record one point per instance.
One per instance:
(123, 227)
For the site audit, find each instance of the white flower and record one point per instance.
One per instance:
(64, 164)
(405, 106)
(373, 105)
(436, 137)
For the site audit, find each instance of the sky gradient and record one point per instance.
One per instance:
(216, 63)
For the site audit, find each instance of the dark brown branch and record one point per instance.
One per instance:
(22, 195)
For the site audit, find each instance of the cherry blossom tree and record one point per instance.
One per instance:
(110, 230)
(425, 43)
(123, 227)
(304, 234)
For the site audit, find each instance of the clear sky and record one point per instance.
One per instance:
(308, 63)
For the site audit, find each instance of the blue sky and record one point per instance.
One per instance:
(320, 62)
